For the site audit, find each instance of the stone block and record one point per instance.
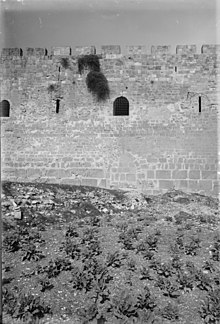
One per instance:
(186, 49)
(110, 49)
(122, 177)
(166, 184)
(11, 52)
(160, 49)
(163, 174)
(38, 52)
(216, 188)
(193, 185)
(21, 173)
(194, 174)
(89, 182)
(179, 174)
(141, 176)
(210, 49)
(209, 175)
(66, 50)
(152, 159)
(58, 173)
(96, 173)
(137, 49)
(205, 185)
(131, 177)
(33, 173)
(103, 183)
(150, 174)
(75, 182)
(85, 50)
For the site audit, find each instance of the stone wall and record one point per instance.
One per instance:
(165, 142)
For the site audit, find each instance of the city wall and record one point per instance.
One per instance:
(169, 140)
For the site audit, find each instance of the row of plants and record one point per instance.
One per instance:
(92, 274)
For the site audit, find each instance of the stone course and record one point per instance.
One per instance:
(165, 142)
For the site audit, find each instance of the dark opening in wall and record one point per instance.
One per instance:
(175, 68)
(57, 106)
(4, 108)
(21, 52)
(200, 104)
(121, 107)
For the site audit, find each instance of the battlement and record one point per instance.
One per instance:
(108, 50)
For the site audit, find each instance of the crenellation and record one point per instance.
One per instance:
(136, 49)
(210, 49)
(85, 50)
(61, 51)
(160, 49)
(38, 52)
(10, 52)
(186, 49)
(110, 49)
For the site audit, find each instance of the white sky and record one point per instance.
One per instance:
(37, 23)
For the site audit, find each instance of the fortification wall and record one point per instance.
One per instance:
(168, 140)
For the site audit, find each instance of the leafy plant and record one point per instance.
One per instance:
(72, 248)
(169, 289)
(204, 282)
(170, 312)
(127, 240)
(145, 274)
(114, 260)
(24, 306)
(31, 253)
(97, 84)
(131, 264)
(145, 300)
(210, 307)
(72, 231)
(51, 88)
(176, 262)
(124, 305)
(179, 241)
(192, 247)
(215, 251)
(90, 61)
(152, 240)
(58, 265)
(81, 279)
(185, 281)
(209, 266)
(64, 61)
(11, 242)
(165, 269)
(45, 284)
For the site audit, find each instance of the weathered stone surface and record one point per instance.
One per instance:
(165, 141)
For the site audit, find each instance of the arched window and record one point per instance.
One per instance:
(4, 108)
(121, 107)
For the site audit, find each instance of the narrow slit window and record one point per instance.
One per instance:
(57, 106)
(121, 107)
(175, 68)
(200, 104)
(4, 108)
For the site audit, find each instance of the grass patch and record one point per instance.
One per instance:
(90, 62)
(97, 84)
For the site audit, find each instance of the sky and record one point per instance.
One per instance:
(37, 23)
